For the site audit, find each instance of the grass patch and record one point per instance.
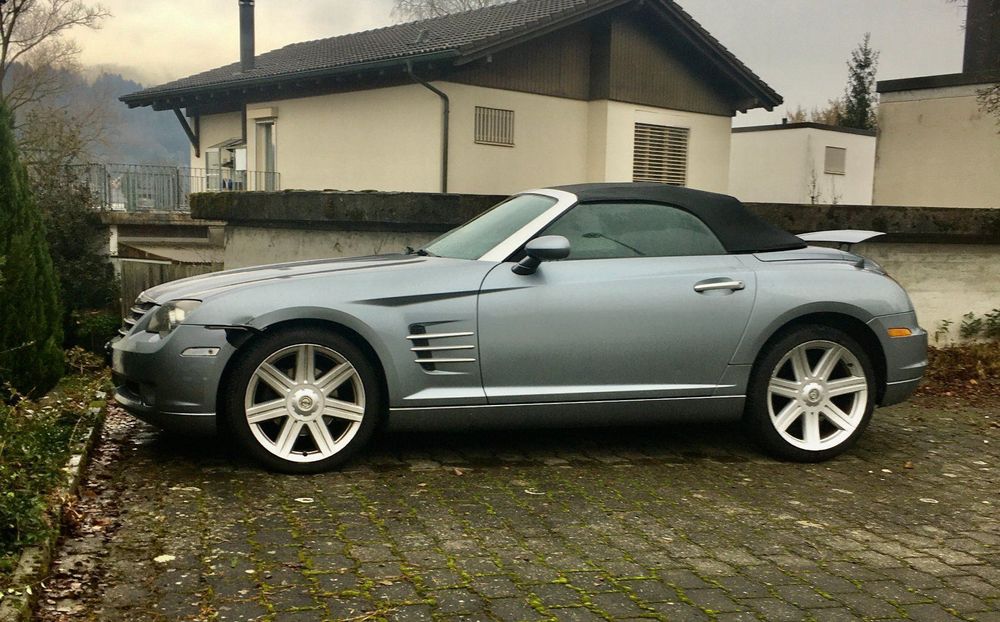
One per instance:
(966, 370)
(36, 439)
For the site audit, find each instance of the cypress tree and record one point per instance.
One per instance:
(860, 99)
(31, 358)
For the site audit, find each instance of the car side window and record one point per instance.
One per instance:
(619, 230)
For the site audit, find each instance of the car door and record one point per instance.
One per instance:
(647, 305)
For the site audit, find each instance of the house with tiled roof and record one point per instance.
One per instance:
(513, 96)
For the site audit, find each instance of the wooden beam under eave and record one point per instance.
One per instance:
(194, 135)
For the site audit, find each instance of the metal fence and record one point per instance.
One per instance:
(149, 188)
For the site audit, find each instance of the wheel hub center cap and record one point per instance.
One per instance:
(812, 394)
(305, 402)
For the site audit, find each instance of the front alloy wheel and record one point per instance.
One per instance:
(812, 394)
(305, 400)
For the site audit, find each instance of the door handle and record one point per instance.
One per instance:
(719, 283)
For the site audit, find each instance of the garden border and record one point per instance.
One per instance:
(33, 564)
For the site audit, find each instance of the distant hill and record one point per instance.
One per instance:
(132, 136)
(140, 135)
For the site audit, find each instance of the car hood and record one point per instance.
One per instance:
(207, 285)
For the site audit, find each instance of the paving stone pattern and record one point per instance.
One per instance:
(668, 523)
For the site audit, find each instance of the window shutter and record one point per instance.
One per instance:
(835, 161)
(661, 154)
(494, 126)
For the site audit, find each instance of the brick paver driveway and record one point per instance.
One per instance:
(675, 523)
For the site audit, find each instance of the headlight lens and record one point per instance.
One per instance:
(170, 316)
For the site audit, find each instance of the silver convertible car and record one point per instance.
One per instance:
(590, 304)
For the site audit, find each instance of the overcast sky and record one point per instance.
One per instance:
(799, 47)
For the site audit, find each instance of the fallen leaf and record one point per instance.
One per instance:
(907, 465)
(163, 559)
(305, 500)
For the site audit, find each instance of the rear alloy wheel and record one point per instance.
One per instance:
(812, 394)
(303, 400)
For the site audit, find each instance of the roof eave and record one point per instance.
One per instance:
(141, 99)
(765, 96)
(500, 42)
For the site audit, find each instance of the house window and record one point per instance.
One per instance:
(494, 126)
(660, 154)
(266, 151)
(226, 165)
(835, 162)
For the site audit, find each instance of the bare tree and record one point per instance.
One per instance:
(989, 101)
(828, 115)
(34, 48)
(424, 9)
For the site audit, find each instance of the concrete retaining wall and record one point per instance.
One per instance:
(947, 258)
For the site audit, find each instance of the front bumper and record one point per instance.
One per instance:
(905, 357)
(156, 380)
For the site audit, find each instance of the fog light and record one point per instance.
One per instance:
(900, 332)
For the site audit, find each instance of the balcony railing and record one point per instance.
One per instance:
(148, 188)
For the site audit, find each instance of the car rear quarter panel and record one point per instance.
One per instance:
(788, 290)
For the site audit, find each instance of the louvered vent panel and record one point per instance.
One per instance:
(661, 154)
(494, 126)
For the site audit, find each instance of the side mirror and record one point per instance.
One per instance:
(545, 248)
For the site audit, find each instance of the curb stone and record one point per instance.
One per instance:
(33, 565)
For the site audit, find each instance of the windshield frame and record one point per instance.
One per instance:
(502, 251)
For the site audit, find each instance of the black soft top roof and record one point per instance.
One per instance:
(739, 230)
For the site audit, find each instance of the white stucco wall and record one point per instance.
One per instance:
(944, 281)
(611, 152)
(215, 129)
(390, 139)
(936, 147)
(780, 165)
(550, 141)
(384, 139)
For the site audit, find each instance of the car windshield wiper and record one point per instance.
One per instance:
(423, 252)
(601, 235)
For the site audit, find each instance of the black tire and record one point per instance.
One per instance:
(244, 371)
(759, 407)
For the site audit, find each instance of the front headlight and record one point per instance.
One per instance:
(170, 316)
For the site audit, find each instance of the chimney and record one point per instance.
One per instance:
(246, 35)
(982, 36)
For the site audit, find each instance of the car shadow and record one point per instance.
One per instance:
(678, 442)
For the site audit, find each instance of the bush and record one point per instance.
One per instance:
(78, 243)
(93, 329)
(31, 357)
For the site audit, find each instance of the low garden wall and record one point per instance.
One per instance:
(947, 258)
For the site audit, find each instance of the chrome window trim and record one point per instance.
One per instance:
(503, 250)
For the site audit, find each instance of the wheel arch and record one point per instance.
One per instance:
(849, 323)
(260, 327)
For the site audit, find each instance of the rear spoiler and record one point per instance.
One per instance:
(845, 238)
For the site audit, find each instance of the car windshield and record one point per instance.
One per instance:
(473, 239)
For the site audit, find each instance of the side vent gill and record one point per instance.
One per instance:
(440, 348)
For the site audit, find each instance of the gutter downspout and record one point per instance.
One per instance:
(445, 124)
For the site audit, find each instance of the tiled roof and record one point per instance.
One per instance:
(452, 35)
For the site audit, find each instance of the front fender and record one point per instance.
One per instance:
(270, 319)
